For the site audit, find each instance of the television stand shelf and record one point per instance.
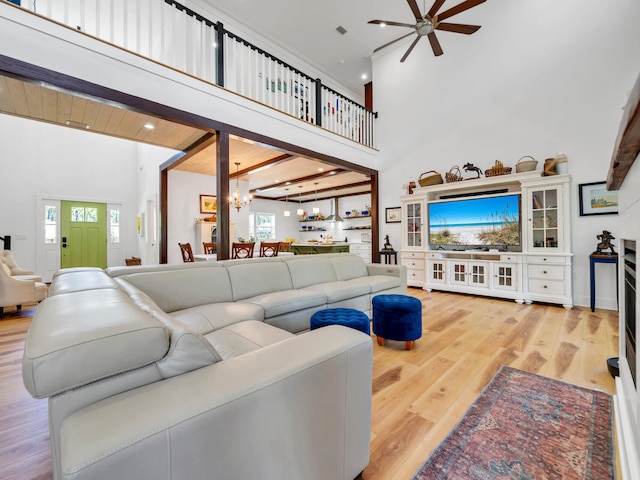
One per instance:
(523, 254)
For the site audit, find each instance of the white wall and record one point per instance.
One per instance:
(529, 82)
(63, 163)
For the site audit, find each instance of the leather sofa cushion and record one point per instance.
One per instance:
(349, 266)
(76, 280)
(279, 303)
(65, 350)
(258, 278)
(208, 318)
(244, 337)
(310, 270)
(118, 271)
(377, 283)
(338, 291)
(174, 290)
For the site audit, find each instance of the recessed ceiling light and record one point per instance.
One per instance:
(382, 25)
(71, 123)
(364, 76)
(321, 169)
(149, 126)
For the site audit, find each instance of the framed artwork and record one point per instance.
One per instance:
(208, 204)
(393, 214)
(595, 199)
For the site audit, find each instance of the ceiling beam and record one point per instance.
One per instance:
(204, 142)
(261, 166)
(299, 180)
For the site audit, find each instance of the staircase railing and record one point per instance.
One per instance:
(176, 36)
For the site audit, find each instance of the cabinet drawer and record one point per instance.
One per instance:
(553, 287)
(543, 259)
(552, 272)
(412, 255)
(416, 275)
(510, 258)
(413, 264)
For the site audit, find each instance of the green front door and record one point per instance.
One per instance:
(83, 234)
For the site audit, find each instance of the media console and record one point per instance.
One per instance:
(535, 268)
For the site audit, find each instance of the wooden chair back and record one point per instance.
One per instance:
(187, 253)
(242, 250)
(284, 246)
(209, 247)
(132, 261)
(269, 249)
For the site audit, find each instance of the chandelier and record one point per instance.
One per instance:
(234, 201)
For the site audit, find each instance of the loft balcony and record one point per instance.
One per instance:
(182, 39)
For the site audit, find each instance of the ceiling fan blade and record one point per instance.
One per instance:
(458, 28)
(435, 7)
(466, 5)
(415, 9)
(415, 42)
(393, 24)
(435, 44)
(393, 41)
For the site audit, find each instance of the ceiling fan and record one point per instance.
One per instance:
(431, 21)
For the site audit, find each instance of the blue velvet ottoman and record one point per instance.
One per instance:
(397, 317)
(349, 317)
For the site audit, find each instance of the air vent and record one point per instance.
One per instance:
(341, 30)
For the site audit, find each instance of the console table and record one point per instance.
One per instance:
(593, 259)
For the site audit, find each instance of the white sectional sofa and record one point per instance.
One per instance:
(207, 370)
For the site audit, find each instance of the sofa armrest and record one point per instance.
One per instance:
(300, 408)
(399, 271)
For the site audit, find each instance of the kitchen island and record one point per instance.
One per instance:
(307, 248)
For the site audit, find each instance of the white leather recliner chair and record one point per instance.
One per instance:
(18, 286)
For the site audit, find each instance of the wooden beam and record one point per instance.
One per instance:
(266, 164)
(627, 144)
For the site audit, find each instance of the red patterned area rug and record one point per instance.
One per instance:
(527, 427)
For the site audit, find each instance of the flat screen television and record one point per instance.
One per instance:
(486, 222)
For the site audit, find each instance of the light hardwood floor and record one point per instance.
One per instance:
(418, 395)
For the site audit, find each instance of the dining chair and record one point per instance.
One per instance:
(242, 250)
(187, 253)
(269, 249)
(209, 247)
(284, 246)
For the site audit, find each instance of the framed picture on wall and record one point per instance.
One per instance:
(595, 199)
(393, 214)
(208, 204)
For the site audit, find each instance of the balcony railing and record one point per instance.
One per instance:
(176, 36)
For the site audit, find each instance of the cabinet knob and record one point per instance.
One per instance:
(544, 271)
(545, 286)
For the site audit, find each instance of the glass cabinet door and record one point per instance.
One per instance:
(545, 227)
(414, 225)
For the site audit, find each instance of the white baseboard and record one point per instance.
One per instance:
(627, 448)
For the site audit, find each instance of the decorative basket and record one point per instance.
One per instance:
(526, 165)
(430, 178)
(497, 169)
(453, 175)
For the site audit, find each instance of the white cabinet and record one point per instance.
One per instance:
(481, 273)
(413, 224)
(538, 269)
(414, 261)
(548, 279)
(363, 250)
(545, 203)
(474, 274)
(548, 263)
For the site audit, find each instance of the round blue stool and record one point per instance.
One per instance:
(397, 317)
(349, 317)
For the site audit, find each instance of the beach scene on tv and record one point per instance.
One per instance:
(490, 222)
